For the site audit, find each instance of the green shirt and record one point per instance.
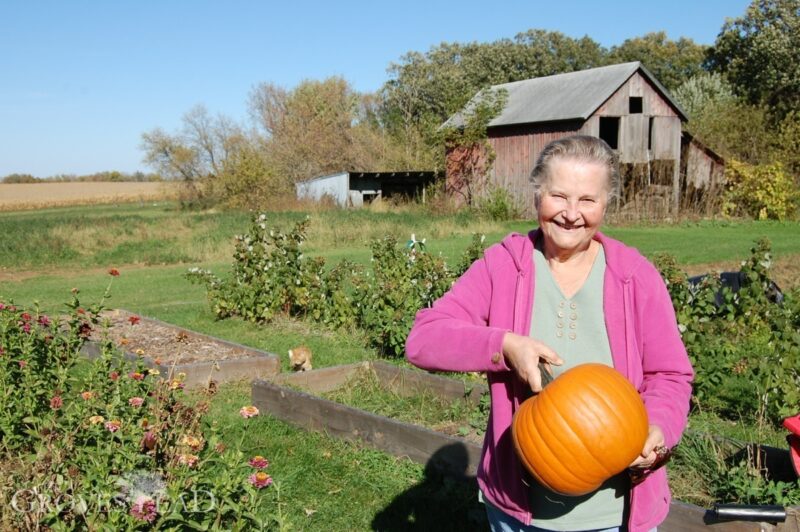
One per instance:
(575, 329)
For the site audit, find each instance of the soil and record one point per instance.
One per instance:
(164, 343)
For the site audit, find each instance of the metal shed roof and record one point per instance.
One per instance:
(570, 96)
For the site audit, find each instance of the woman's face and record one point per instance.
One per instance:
(572, 205)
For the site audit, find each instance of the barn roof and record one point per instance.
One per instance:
(570, 96)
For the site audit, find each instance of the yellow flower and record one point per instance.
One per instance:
(87, 395)
(153, 371)
(94, 420)
(193, 442)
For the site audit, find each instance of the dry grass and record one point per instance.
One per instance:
(25, 196)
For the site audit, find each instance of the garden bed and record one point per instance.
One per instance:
(166, 347)
(290, 397)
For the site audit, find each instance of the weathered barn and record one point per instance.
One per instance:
(354, 189)
(702, 176)
(623, 104)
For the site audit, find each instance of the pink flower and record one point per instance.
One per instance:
(2, 351)
(149, 440)
(144, 509)
(23, 363)
(113, 375)
(259, 462)
(248, 411)
(135, 375)
(56, 402)
(260, 480)
(189, 460)
(135, 401)
(25, 317)
(87, 395)
(26, 327)
(44, 321)
(134, 319)
(113, 425)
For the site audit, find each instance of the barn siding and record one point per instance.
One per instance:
(516, 149)
(653, 104)
(336, 186)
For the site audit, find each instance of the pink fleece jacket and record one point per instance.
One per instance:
(464, 330)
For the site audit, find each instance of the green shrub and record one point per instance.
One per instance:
(498, 204)
(746, 349)
(271, 275)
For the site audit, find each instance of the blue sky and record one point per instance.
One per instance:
(80, 81)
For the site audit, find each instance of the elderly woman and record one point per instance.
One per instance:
(564, 295)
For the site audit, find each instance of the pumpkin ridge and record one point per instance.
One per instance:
(543, 447)
(598, 462)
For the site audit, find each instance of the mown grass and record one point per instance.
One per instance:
(325, 484)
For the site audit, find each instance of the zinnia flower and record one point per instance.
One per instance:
(193, 442)
(135, 375)
(175, 385)
(260, 480)
(248, 411)
(134, 319)
(113, 425)
(140, 352)
(135, 401)
(189, 460)
(94, 420)
(113, 375)
(149, 440)
(25, 317)
(113, 272)
(144, 508)
(23, 363)
(153, 371)
(87, 395)
(259, 462)
(56, 402)
(44, 321)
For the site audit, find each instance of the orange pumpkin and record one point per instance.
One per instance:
(585, 427)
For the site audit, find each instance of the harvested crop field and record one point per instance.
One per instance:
(18, 196)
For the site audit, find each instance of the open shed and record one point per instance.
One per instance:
(354, 189)
(623, 104)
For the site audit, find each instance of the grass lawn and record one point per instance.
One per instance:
(324, 484)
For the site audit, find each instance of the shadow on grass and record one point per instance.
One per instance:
(446, 499)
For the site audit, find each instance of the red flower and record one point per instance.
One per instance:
(25, 317)
(135, 402)
(135, 375)
(134, 319)
(113, 272)
(84, 330)
(56, 402)
(113, 425)
(259, 462)
(26, 327)
(113, 375)
(23, 363)
(44, 321)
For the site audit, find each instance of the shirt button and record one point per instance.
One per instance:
(559, 333)
(572, 325)
(573, 305)
(562, 304)
(496, 358)
(560, 313)
(572, 336)
(573, 316)
(560, 324)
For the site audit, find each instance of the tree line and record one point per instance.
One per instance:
(742, 96)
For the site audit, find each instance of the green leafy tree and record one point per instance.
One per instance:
(671, 62)
(759, 52)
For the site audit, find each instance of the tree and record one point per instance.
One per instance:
(671, 62)
(760, 55)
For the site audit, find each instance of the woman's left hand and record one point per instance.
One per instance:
(653, 450)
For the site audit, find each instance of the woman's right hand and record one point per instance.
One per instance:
(523, 353)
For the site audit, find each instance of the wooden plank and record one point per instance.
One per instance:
(408, 382)
(321, 380)
(454, 455)
(685, 517)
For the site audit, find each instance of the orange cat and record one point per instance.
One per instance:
(300, 358)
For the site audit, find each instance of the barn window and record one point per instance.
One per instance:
(635, 105)
(609, 130)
